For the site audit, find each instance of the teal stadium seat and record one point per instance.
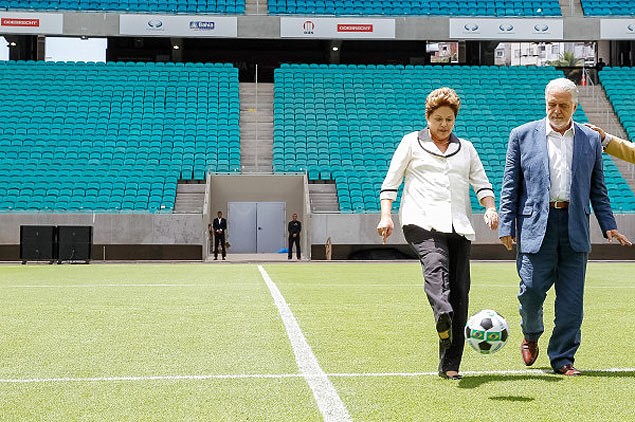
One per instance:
(608, 7)
(162, 6)
(112, 136)
(417, 7)
(353, 117)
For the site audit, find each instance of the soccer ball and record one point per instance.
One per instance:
(486, 332)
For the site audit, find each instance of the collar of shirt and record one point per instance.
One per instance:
(568, 132)
(428, 145)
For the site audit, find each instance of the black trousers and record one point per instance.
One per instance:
(445, 260)
(295, 240)
(219, 239)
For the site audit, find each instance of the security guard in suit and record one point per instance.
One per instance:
(219, 225)
(294, 227)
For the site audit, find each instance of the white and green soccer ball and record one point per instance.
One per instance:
(486, 332)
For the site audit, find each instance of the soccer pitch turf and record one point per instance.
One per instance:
(187, 342)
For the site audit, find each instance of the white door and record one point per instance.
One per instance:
(270, 226)
(256, 227)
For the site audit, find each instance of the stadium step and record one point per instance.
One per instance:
(256, 7)
(323, 197)
(189, 198)
(256, 127)
(600, 112)
(571, 8)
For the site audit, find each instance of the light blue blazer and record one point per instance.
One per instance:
(524, 200)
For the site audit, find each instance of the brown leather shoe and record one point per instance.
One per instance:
(529, 350)
(568, 370)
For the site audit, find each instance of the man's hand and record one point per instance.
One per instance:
(508, 241)
(385, 227)
(295, 235)
(597, 129)
(614, 234)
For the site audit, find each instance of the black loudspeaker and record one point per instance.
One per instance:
(38, 243)
(75, 243)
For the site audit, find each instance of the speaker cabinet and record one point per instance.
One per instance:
(38, 243)
(74, 243)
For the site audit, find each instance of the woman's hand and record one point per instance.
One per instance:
(385, 227)
(491, 218)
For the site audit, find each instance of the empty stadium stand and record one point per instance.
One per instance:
(161, 6)
(608, 7)
(115, 136)
(343, 122)
(417, 7)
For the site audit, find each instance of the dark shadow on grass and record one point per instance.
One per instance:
(511, 398)
(473, 381)
(608, 374)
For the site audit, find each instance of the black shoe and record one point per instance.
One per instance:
(444, 329)
(223, 258)
(456, 377)
(215, 258)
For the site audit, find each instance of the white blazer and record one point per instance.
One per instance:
(436, 191)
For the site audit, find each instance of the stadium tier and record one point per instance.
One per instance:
(417, 7)
(115, 136)
(608, 7)
(619, 84)
(343, 122)
(161, 6)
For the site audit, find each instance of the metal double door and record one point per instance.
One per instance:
(256, 227)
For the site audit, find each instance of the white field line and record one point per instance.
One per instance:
(361, 285)
(328, 401)
(281, 376)
(81, 286)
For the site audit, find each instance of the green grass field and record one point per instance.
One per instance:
(187, 342)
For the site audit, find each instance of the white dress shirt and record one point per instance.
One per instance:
(436, 191)
(560, 151)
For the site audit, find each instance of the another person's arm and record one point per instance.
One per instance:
(509, 193)
(389, 188)
(619, 148)
(483, 189)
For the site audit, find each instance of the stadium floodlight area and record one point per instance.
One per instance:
(161, 6)
(344, 122)
(417, 7)
(608, 7)
(112, 136)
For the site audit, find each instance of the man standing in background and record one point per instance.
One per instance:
(220, 225)
(295, 227)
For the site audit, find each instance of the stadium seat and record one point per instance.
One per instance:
(65, 145)
(343, 123)
(417, 7)
(171, 6)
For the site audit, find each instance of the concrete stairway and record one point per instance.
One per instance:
(571, 8)
(256, 7)
(599, 111)
(256, 127)
(189, 198)
(323, 197)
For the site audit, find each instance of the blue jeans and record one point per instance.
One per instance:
(556, 263)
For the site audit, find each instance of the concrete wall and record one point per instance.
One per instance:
(263, 26)
(347, 229)
(290, 189)
(118, 236)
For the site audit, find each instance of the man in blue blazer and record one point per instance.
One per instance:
(553, 169)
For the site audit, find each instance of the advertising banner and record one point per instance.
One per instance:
(507, 29)
(337, 28)
(31, 23)
(617, 29)
(178, 26)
